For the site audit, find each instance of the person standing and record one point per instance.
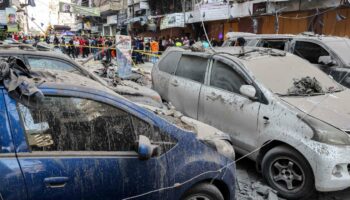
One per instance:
(108, 44)
(76, 46)
(63, 45)
(100, 43)
(71, 48)
(94, 48)
(186, 42)
(154, 49)
(56, 41)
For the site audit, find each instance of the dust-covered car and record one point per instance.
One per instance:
(329, 53)
(65, 137)
(285, 113)
(51, 60)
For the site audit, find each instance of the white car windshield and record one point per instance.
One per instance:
(341, 47)
(283, 75)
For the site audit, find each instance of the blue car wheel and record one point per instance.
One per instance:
(203, 191)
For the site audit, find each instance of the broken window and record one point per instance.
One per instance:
(274, 44)
(39, 63)
(192, 67)
(74, 124)
(225, 77)
(309, 51)
(169, 63)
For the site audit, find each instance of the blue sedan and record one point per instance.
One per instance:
(86, 142)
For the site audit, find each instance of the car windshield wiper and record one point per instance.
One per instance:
(300, 94)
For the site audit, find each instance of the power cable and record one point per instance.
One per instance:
(176, 185)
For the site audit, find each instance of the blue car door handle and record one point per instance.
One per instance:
(55, 182)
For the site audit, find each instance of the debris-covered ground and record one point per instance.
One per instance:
(250, 184)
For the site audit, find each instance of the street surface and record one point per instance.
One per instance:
(247, 166)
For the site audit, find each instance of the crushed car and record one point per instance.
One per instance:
(329, 53)
(50, 60)
(280, 110)
(64, 136)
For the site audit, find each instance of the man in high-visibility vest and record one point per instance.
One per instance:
(154, 49)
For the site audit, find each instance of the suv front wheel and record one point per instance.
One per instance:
(288, 172)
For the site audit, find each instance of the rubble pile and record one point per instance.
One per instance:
(250, 189)
(305, 86)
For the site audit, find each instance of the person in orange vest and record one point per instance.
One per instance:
(154, 49)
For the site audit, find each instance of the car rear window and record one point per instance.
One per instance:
(169, 63)
(275, 44)
(40, 63)
(192, 67)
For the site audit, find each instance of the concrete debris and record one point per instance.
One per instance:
(305, 86)
(251, 189)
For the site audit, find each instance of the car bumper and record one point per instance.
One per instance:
(331, 166)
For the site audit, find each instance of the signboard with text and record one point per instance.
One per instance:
(12, 25)
(76, 9)
(3, 19)
(172, 20)
(124, 60)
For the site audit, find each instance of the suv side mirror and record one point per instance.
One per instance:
(327, 60)
(145, 149)
(248, 91)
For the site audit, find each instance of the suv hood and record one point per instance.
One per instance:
(334, 110)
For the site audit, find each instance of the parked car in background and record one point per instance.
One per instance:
(84, 141)
(50, 60)
(9, 41)
(299, 139)
(329, 53)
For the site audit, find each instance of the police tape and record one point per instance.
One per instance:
(148, 53)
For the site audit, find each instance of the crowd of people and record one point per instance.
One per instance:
(158, 45)
(143, 47)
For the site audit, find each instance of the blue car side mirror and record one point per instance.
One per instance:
(145, 149)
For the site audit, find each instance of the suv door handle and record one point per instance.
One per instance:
(175, 83)
(56, 182)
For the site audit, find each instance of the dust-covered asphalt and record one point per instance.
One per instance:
(246, 170)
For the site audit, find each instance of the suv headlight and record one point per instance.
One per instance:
(326, 133)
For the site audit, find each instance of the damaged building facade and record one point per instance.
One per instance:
(184, 18)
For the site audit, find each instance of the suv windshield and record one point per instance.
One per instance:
(280, 74)
(341, 47)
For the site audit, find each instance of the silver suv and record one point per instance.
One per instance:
(299, 139)
(329, 53)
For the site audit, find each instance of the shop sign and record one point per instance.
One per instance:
(124, 60)
(3, 20)
(214, 11)
(113, 19)
(172, 20)
(259, 8)
(76, 9)
(12, 25)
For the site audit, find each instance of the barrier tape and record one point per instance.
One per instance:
(148, 53)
